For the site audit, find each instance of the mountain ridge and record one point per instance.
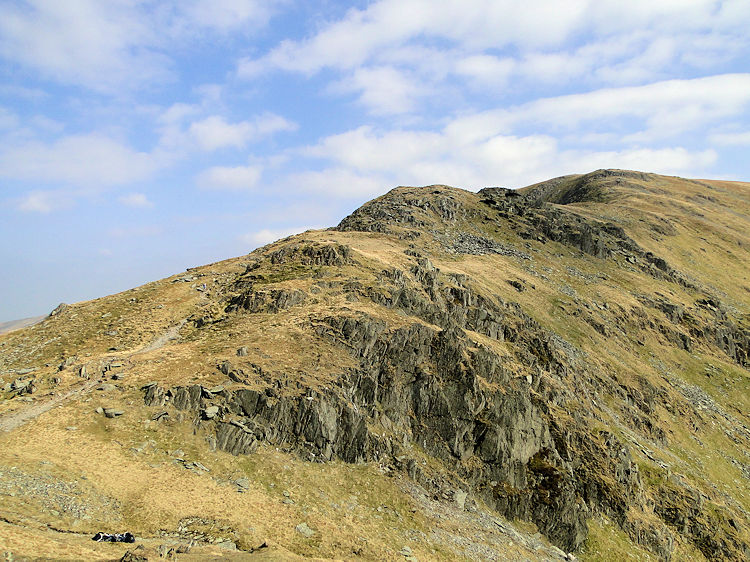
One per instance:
(571, 351)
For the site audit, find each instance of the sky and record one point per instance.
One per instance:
(142, 137)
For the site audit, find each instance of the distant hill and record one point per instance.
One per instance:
(445, 375)
(16, 324)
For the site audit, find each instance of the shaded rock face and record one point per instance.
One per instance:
(312, 254)
(429, 386)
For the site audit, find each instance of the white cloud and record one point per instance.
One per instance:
(214, 132)
(81, 41)
(229, 178)
(227, 15)
(108, 46)
(135, 231)
(730, 139)
(266, 236)
(336, 182)
(41, 201)
(666, 108)
(476, 25)
(487, 148)
(382, 90)
(8, 119)
(396, 53)
(138, 200)
(486, 70)
(91, 160)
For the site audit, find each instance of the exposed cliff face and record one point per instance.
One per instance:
(555, 352)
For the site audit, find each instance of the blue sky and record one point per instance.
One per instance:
(138, 138)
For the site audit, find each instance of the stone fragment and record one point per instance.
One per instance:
(304, 530)
(210, 412)
(459, 496)
(242, 351)
(112, 412)
(20, 384)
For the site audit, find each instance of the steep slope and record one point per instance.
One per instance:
(573, 355)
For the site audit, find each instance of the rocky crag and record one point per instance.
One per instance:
(558, 353)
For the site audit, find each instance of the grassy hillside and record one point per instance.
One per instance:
(445, 375)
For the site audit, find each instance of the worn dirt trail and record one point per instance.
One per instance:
(12, 421)
(17, 419)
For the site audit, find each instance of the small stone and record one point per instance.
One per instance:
(118, 376)
(287, 501)
(71, 428)
(459, 496)
(20, 384)
(106, 387)
(243, 483)
(529, 379)
(112, 413)
(286, 493)
(210, 412)
(99, 410)
(304, 530)
(138, 554)
(216, 389)
(242, 351)
(227, 545)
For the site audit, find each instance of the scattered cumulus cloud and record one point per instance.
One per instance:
(266, 236)
(337, 181)
(215, 132)
(226, 15)
(136, 200)
(731, 139)
(40, 201)
(82, 160)
(107, 46)
(229, 178)
(382, 90)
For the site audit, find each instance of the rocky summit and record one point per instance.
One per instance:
(557, 372)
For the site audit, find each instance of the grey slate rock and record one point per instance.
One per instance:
(304, 530)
